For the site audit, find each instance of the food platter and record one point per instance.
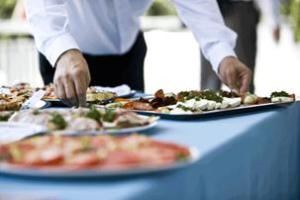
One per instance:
(115, 131)
(17, 94)
(8, 169)
(95, 94)
(216, 113)
(197, 104)
(83, 121)
(139, 161)
(13, 98)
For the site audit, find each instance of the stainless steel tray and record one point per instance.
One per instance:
(219, 112)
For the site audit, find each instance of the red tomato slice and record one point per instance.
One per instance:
(49, 156)
(119, 158)
(83, 159)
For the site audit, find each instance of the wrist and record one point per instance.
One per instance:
(67, 56)
(224, 62)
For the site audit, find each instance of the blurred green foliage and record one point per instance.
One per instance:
(6, 8)
(291, 8)
(161, 7)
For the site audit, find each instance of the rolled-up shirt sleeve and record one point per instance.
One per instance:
(204, 19)
(48, 21)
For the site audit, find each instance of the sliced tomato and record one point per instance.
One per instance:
(179, 150)
(121, 159)
(49, 156)
(102, 141)
(83, 159)
(154, 156)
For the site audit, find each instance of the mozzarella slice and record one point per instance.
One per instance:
(211, 105)
(218, 105)
(281, 99)
(180, 111)
(190, 103)
(233, 102)
(224, 104)
(164, 110)
(201, 104)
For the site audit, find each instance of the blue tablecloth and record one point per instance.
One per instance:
(244, 156)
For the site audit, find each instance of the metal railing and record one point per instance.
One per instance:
(18, 62)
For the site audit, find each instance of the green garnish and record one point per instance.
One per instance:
(185, 108)
(4, 118)
(93, 113)
(187, 95)
(109, 115)
(206, 94)
(279, 94)
(181, 157)
(36, 112)
(59, 121)
(211, 95)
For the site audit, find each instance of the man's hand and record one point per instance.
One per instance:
(235, 74)
(72, 78)
(276, 34)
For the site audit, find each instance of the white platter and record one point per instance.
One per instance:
(14, 131)
(40, 104)
(93, 173)
(153, 122)
(212, 113)
(119, 131)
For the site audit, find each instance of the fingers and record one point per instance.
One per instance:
(276, 34)
(59, 89)
(71, 96)
(230, 78)
(64, 90)
(245, 81)
(80, 86)
(233, 81)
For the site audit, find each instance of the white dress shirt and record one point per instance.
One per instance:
(103, 27)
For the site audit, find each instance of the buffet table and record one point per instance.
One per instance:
(243, 156)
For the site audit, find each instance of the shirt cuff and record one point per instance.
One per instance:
(217, 53)
(57, 46)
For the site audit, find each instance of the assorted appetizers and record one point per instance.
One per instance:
(188, 102)
(82, 119)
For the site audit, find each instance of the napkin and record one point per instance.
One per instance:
(120, 90)
(11, 131)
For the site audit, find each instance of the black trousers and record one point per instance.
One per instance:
(243, 18)
(110, 70)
